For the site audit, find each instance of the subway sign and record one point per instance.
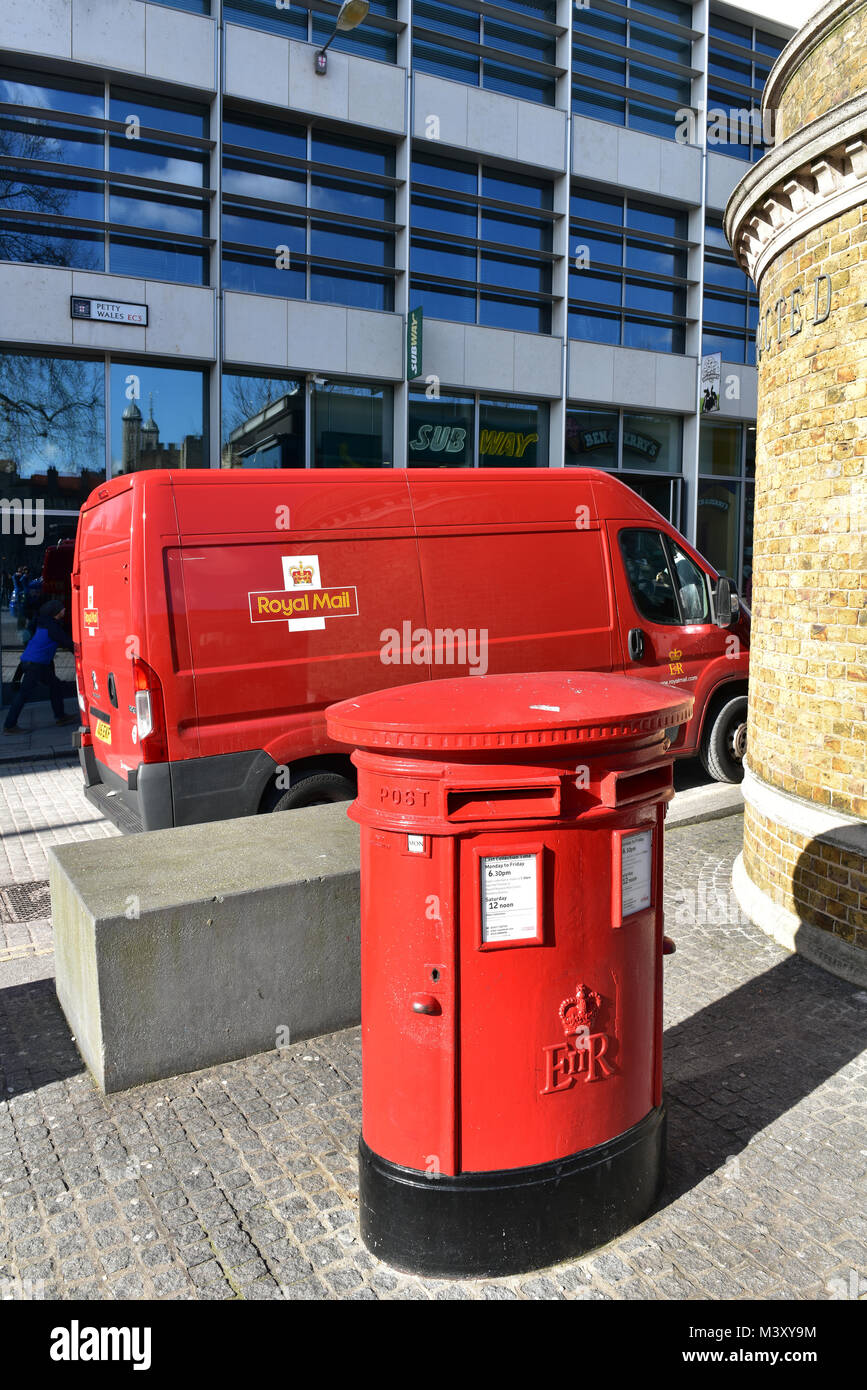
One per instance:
(414, 343)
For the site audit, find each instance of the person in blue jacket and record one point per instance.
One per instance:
(37, 661)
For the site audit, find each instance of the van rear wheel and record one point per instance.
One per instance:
(316, 789)
(725, 742)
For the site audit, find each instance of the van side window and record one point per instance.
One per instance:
(649, 576)
(667, 586)
(691, 586)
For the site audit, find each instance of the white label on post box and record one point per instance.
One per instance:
(415, 844)
(510, 910)
(636, 863)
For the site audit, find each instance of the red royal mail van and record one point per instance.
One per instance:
(217, 614)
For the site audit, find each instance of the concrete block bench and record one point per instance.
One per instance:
(179, 949)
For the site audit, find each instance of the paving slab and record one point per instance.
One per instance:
(42, 803)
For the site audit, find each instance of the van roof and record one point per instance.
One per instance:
(552, 495)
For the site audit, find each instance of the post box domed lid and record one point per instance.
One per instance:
(545, 708)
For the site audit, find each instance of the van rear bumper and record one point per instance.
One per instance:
(148, 801)
(180, 793)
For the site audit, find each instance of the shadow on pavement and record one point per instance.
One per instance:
(734, 1067)
(36, 1046)
(731, 1069)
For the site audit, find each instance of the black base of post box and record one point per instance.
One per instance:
(514, 1220)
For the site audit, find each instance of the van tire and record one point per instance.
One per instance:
(315, 789)
(724, 744)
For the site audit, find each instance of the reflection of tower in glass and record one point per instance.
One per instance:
(141, 447)
(131, 447)
(150, 434)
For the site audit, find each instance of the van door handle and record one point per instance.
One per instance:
(426, 1004)
(635, 643)
(112, 689)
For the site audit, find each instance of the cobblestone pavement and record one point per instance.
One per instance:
(41, 804)
(241, 1181)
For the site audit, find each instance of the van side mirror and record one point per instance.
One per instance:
(725, 602)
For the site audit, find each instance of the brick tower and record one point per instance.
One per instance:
(798, 224)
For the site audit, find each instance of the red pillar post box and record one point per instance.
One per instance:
(512, 943)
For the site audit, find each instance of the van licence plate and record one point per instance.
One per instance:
(103, 731)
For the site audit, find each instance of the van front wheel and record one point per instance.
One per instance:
(316, 789)
(725, 742)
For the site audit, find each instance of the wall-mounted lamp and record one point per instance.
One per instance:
(352, 13)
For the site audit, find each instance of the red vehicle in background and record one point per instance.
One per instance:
(217, 614)
(57, 565)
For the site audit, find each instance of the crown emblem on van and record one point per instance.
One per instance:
(302, 575)
(675, 654)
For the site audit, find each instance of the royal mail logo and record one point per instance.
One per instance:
(675, 665)
(582, 1053)
(90, 617)
(304, 601)
(279, 605)
(675, 654)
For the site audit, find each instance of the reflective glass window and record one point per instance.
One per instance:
(652, 442)
(730, 305)
(59, 171)
(158, 417)
(513, 434)
(441, 431)
(270, 206)
(291, 21)
(591, 438)
(52, 427)
(691, 586)
(473, 232)
(511, 55)
(351, 425)
(643, 276)
(262, 421)
(727, 465)
(643, 55)
(739, 61)
(45, 90)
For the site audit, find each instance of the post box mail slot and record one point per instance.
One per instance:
(624, 788)
(501, 803)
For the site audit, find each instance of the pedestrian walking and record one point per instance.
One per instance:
(37, 662)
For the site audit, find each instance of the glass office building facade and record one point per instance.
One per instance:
(545, 181)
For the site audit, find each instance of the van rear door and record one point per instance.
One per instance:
(102, 627)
